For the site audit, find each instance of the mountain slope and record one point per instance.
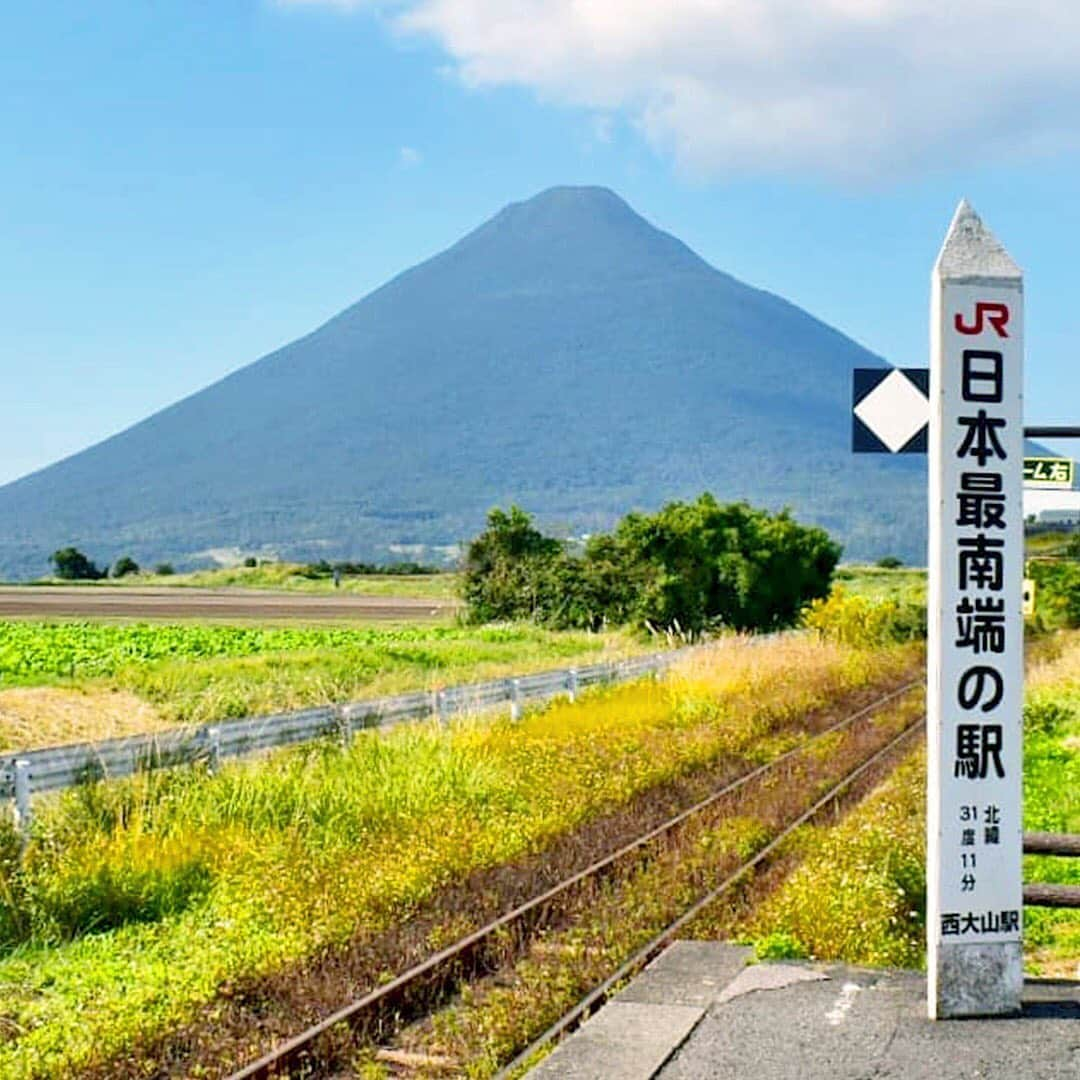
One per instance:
(566, 355)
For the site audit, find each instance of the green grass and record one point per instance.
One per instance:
(1052, 803)
(138, 901)
(859, 892)
(196, 673)
(907, 585)
(1048, 543)
(904, 584)
(288, 577)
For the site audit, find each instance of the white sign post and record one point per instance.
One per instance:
(975, 642)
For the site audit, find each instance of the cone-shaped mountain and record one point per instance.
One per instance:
(566, 356)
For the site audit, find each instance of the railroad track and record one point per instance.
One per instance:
(421, 988)
(636, 963)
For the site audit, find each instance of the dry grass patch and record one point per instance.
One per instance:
(1057, 668)
(49, 715)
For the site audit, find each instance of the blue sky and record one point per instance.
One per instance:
(185, 186)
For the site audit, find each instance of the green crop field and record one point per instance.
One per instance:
(196, 673)
(35, 652)
(141, 906)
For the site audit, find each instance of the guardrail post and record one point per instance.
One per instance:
(571, 684)
(213, 747)
(22, 798)
(345, 728)
(515, 699)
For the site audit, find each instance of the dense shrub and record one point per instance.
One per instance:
(324, 569)
(125, 565)
(1046, 715)
(862, 622)
(511, 569)
(72, 565)
(1057, 591)
(691, 566)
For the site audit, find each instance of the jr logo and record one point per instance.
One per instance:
(997, 315)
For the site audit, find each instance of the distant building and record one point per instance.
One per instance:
(1046, 504)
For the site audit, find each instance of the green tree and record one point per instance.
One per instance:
(704, 564)
(691, 566)
(72, 565)
(125, 565)
(508, 570)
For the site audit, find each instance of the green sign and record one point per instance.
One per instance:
(1054, 472)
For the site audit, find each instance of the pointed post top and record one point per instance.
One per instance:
(971, 252)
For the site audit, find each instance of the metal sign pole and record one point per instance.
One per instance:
(975, 640)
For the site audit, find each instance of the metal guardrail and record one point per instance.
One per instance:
(31, 772)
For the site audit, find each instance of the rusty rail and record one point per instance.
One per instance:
(1048, 843)
(1053, 896)
(401, 997)
(1065, 845)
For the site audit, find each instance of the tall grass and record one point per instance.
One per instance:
(1052, 800)
(860, 621)
(136, 901)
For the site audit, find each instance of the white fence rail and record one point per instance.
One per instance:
(30, 772)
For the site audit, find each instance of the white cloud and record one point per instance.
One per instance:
(603, 127)
(855, 88)
(409, 156)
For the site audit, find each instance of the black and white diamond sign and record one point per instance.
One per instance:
(890, 410)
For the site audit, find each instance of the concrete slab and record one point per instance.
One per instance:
(821, 1027)
(688, 973)
(767, 977)
(625, 1040)
(699, 1012)
(858, 1023)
